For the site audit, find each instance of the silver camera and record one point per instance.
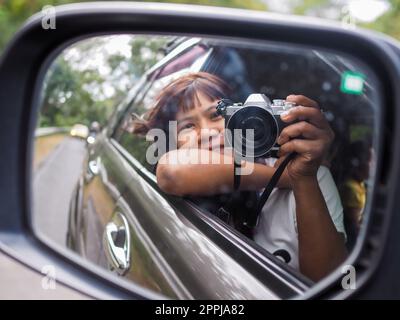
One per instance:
(253, 127)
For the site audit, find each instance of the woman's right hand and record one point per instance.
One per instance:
(309, 135)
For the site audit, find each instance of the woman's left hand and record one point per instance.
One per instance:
(309, 135)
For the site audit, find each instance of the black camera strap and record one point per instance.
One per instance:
(252, 217)
(272, 184)
(224, 212)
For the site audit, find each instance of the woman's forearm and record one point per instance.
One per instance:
(190, 176)
(321, 247)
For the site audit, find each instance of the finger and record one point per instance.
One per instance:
(299, 129)
(299, 146)
(302, 100)
(278, 162)
(301, 113)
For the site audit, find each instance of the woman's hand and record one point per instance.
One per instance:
(309, 135)
(321, 246)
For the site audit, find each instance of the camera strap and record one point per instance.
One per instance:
(270, 186)
(224, 212)
(252, 216)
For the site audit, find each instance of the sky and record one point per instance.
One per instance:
(361, 10)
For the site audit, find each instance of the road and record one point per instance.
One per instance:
(53, 184)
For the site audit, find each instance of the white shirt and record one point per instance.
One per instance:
(277, 227)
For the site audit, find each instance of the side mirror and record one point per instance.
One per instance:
(354, 75)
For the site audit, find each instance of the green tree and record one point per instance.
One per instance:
(13, 14)
(65, 102)
(75, 90)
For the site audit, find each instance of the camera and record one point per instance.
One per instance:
(254, 125)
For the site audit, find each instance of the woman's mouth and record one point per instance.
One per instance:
(216, 144)
(217, 147)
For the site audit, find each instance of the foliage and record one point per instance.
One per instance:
(75, 91)
(65, 102)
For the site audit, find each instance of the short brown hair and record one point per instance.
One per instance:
(180, 94)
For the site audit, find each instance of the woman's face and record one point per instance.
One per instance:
(201, 127)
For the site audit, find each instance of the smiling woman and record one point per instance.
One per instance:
(191, 101)
(182, 201)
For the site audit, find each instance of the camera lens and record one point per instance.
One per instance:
(255, 123)
(262, 135)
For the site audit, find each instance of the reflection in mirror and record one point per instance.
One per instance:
(141, 140)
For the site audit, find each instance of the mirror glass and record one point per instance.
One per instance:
(152, 153)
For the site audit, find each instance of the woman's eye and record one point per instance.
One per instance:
(187, 126)
(215, 115)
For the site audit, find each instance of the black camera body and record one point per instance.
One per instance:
(252, 128)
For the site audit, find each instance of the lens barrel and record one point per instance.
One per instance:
(253, 131)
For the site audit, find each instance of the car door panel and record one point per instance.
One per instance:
(146, 266)
(102, 203)
(198, 264)
(103, 182)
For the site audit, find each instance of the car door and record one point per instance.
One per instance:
(178, 258)
(95, 200)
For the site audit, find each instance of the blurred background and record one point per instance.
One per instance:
(93, 100)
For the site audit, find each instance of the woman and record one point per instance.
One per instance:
(302, 222)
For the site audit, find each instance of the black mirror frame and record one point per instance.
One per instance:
(21, 72)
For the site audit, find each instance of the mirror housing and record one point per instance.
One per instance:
(25, 61)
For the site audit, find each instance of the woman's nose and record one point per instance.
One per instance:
(208, 124)
(209, 136)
